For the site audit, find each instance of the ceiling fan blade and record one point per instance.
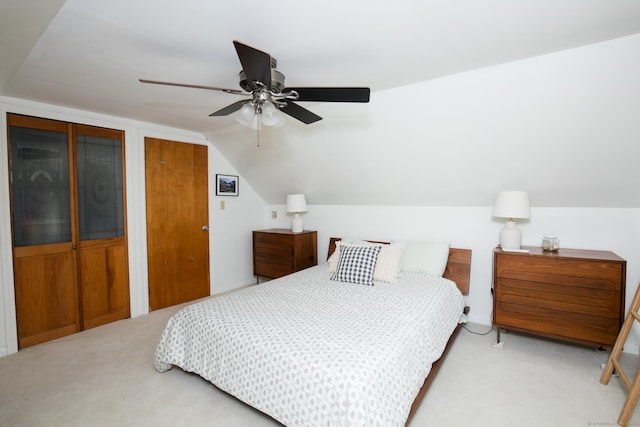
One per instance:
(300, 113)
(230, 108)
(255, 63)
(331, 94)
(221, 89)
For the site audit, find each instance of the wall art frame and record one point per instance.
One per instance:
(227, 185)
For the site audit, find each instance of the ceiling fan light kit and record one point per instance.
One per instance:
(252, 116)
(269, 95)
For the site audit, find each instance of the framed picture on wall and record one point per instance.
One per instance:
(226, 185)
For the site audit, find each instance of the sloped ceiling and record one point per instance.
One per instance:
(92, 53)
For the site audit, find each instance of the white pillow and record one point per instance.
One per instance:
(425, 257)
(335, 256)
(388, 264)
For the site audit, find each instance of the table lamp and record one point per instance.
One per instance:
(296, 203)
(511, 205)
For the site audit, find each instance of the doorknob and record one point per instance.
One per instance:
(205, 227)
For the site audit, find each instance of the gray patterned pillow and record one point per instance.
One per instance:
(357, 264)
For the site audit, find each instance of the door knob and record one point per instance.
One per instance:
(205, 227)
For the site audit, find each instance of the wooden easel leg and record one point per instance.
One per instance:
(630, 403)
(633, 388)
(622, 338)
(617, 349)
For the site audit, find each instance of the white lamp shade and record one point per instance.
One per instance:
(271, 116)
(296, 203)
(512, 204)
(247, 116)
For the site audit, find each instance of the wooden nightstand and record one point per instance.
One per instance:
(278, 252)
(572, 294)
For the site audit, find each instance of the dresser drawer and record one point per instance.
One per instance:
(584, 300)
(584, 273)
(559, 324)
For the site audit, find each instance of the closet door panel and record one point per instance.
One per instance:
(44, 242)
(40, 181)
(46, 294)
(104, 280)
(103, 250)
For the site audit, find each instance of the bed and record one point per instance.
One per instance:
(308, 350)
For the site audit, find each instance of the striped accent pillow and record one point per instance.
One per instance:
(357, 264)
(388, 264)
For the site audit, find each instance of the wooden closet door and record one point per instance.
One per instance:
(177, 222)
(104, 272)
(45, 237)
(69, 231)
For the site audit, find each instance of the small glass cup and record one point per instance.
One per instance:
(550, 244)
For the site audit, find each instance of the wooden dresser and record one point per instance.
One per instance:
(278, 252)
(572, 294)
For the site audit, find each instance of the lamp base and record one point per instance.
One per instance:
(510, 236)
(296, 224)
(522, 251)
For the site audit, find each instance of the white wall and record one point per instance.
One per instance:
(563, 126)
(230, 242)
(612, 229)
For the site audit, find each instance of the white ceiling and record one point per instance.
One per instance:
(89, 54)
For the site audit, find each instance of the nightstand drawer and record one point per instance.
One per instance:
(264, 238)
(271, 260)
(273, 250)
(273, 267)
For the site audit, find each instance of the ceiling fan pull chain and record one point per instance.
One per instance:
(258, 129)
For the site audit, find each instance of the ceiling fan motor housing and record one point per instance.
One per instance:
(277, 82)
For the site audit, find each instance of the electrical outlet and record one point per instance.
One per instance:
(222, 205)
(274, 214)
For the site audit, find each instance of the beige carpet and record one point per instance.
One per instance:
(105, 377)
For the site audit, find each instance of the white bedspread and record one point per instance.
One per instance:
(313, 352)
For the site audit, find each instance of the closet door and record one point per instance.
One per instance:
(69, 230)
(44, 233)
(103, 250)
(177, 222)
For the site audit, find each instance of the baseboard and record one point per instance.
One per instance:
(238, 285)
(480, 320)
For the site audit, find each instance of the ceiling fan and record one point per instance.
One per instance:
(260, 79)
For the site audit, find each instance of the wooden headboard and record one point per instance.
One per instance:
(458, 266)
